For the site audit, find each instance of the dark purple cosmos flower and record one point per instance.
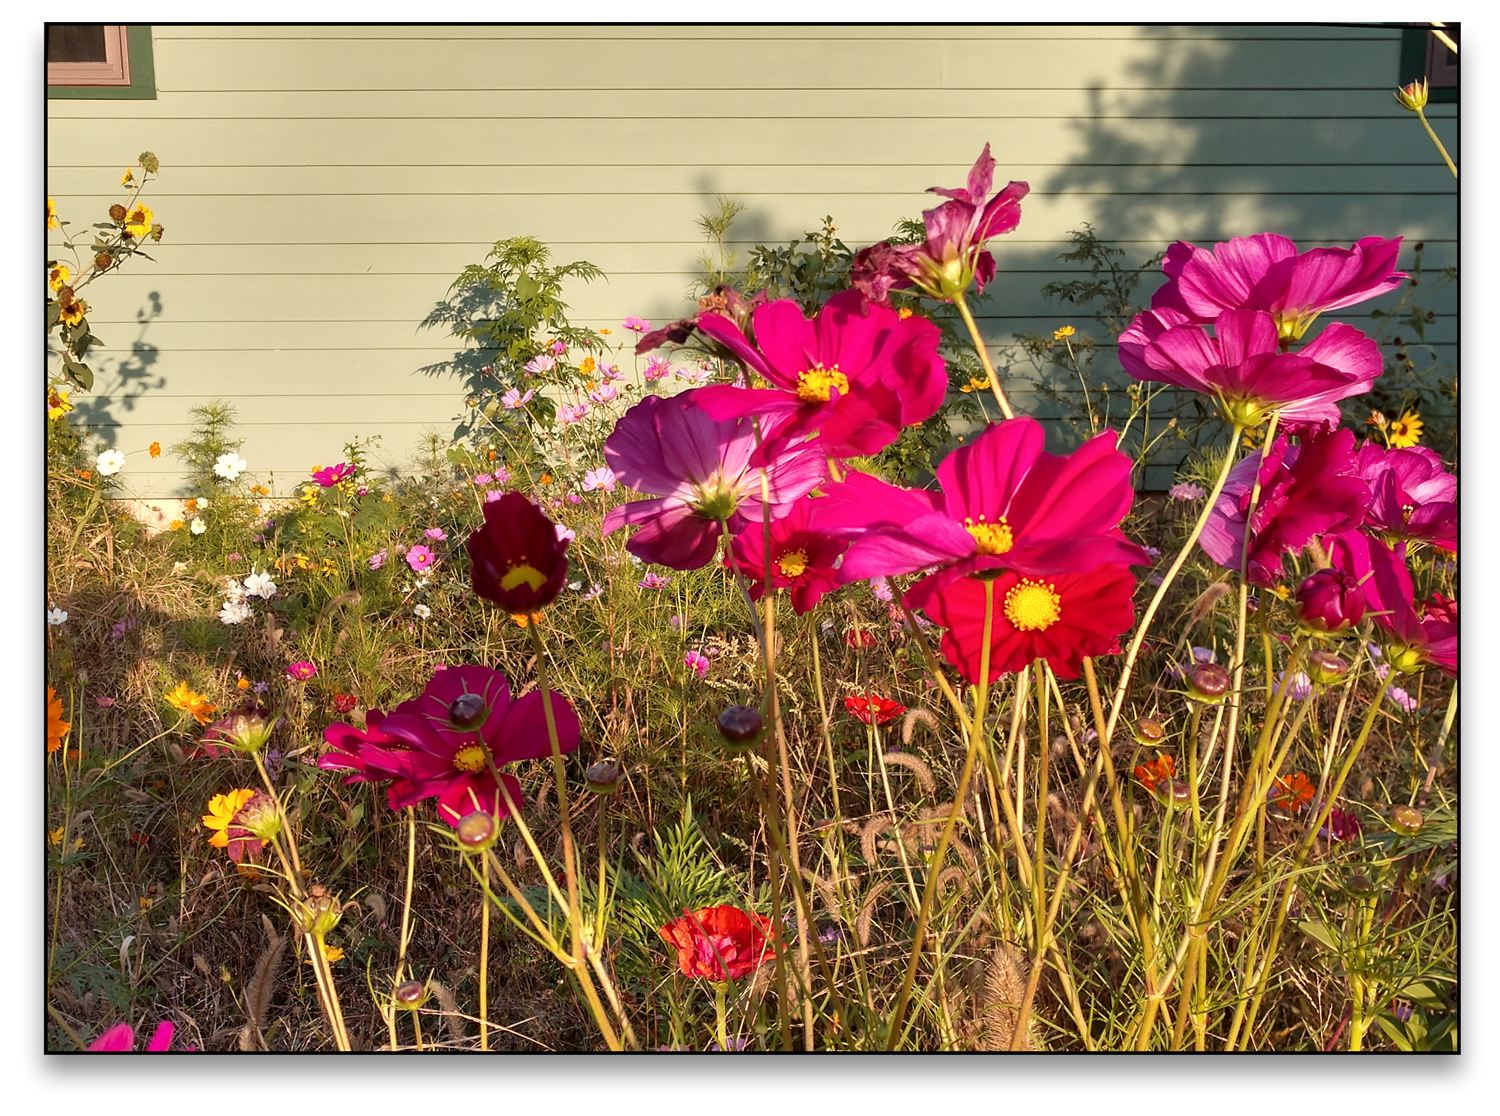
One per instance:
(699, 472)
(1003, 504)
(1060, 618)
(954, 253)
(1242, 366)
(803, 559)
(1266, 272)
(1305, 490)
(517, 559)
(856, 374)
(373, 755)
(1413, 635)
(1412, 496)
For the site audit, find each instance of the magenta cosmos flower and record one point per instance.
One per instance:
(854, 375)
(1413, 635)
(1003, 504)
(333, 474)
(1266, 272)
(699, 472)
(1305, 490)
(954, 253)
(1412, 496)
(803, 559)
(517, 558)
(1242, 366)
(1060, 618)
(121, 1037)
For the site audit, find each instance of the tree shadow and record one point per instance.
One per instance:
(133, 378)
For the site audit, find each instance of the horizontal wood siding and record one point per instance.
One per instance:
(321, 186)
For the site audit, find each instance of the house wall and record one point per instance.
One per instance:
(322, 186)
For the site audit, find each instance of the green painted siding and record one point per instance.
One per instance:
(322, 186)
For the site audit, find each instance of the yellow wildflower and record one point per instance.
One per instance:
(221, 811)
(606, 331)
(146, 902)
(138, 221)
(59, 277)
(175, 525)
(55, 837)
(1405, 431)
(189, 701)
(586, 366)
(57, 403)
(1065, 331)
(127, 178)
(978, 383)
(330, 954)
(523, 619)
(57, 728)
(70, 310)
(190, 505)
(51, 214)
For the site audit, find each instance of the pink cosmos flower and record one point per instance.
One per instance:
(611, 372)
(565, 534)
(638, 325)
(1242, 364)
(482, 479)
(301, 671)
(436, 534)
(502, 476)
(1004, 503)
(513, 399)
(419, 558)
(1305, 490)
(1412, 495)
(540, 364)
(803, 559)
(657, 368)
(121, 1037)
(333, 474)
(653, 581)
(570, 415)
(1266, 272)
(604, 393)
(602, 478)
(1413, 635)
(855, 374)
(954, 254)
(699, 472)
(557, 348)
(699, 375)
(697, 663)
(723, 300)
(378, 559)
(1186, 491)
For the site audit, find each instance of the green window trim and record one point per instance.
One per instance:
(142, 85)
(1414, 66)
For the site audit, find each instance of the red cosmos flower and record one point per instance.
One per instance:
(724, 300)
(516, 559)
(855, 375)
(327, 478)
(873, 707)
(344, 703)
(1004, 504)
(1305, 490)
(802, 559)
(859, 639)
(1160, 770)
(1342, 825)
(372, 754)
(1266, 272)
(1291, 792)
(1412, 495)
(1243, 367)
(954, 254)
(1060, 618)
(720, 943)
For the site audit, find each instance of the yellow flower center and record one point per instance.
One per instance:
(1406, 512)
(816, 385)
(1032, 606)
(529, 575)
(469, 759)
(991, 538)
(792, 564)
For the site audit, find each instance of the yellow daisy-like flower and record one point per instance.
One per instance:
(175, 525)
(1065, 331)
(71, 310)
(1405, 431)
(189, 701)
(57, 728)
(978, 383)
(59, 277)
(606, 331)
(221, 811)
(586, 366)
(51, 215)
(57, 403)
(127, 178)
(138, 221)
(330, 954)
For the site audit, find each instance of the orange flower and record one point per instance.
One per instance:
(586, 366)
(175, 525)
(881, 709)
(1152, 775)
(57, 728)
(1291, 792)
(154, 449)
(720, 943)
(192, 702)
(221, 811)
(523, 619)
(545, 478)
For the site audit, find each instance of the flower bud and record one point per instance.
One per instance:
(1406, 820)
(1413, 97)
(1404, 659)
(321, 912)
(1175, 792)
(1329, 600)
(602, 777)
(1149, 733)
(247, 729)
(1208, 683)
(1360, 885)
(1327, 669)
(741, 726)
(477, 831)
(410, 994)
(467, 712)
(259, 817)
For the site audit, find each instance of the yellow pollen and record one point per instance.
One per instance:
(517, 574)
(992, 538)
(816, 385)
(792, 564)
(469, 759)
(1032, 606)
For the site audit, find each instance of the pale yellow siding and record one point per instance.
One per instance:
(321, 187)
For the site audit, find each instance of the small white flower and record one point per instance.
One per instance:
(423, 612)
(203, 503)
(110, 462)
(179, 567)
(234, 591)
(55, 615)
(260, 585)
(197, 525)
(230, 466)
(234, 612)
(575, 585)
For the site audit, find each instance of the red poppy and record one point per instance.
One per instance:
(1152, 775)
(1291, 792)
(720, 943)
(516, 558)
(882, 710)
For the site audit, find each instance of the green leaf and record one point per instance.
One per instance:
(527, 287)
(54, 314)
(1320, 934)
(1394, 1032)
(80, 374)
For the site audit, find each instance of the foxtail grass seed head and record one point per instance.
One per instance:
(477, 831)
(741, 726)
(1407, 820)
(1149, 733)
(411, 994)
(1208, 683)
(467, 712)
(321, 912)
(1327, 669)
(602, 777)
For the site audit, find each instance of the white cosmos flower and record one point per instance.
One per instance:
(55, 615)
(260, 585)
(234, 591)
(234, 612)
(423, 612)
(110, 462)
(230, 466)
(203, 503)
(197, 525)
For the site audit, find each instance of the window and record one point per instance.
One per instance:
(1424, 55)
(100, 60)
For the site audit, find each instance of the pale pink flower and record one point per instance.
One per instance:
(436, 534)
(638, 325)
(537, 365)
(514, 400)
(564, 534)
(697, 663)
(653, 580)
(570, 415)
(604, 393)
(657, 368)
(603, 477)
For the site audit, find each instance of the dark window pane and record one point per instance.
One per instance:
(75, 42)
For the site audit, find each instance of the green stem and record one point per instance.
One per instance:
(984, 354)
(1443, 151)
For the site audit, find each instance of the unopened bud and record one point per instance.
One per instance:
(1175, 792)
(1406, 820)
(1149, 733)
(1327, 669)
(1329, 600)
(321, 912)
(410, 994)
(741, 726)
(1208, 683)
(602, 777)
(477, 831)
(1360, 885)
(468, 712)
(247, 729)
(259, 817)
(1413, 97)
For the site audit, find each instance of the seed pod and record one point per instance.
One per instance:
(602, 777)
(741, 726)
(476, 832)
(1208, 683)
(1149, 733)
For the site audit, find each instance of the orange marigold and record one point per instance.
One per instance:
(57, 728)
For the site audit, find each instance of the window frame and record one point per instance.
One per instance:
(129, 75)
